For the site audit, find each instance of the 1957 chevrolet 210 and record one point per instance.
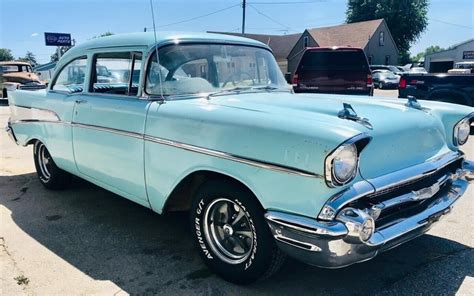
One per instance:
(206, 123)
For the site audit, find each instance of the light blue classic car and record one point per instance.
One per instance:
(206, 123)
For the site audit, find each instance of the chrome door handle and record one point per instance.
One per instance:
(80, 101)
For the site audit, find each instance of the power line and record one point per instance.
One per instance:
(270, 18)
(452, 24)
(287, 2)
(198, 17)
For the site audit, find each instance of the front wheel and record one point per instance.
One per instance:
(48, 173)
(231, 234)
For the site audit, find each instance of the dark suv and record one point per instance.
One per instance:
(338, 70)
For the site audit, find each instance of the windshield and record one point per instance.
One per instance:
(387, 75)
(464, 66)
(208, 68)
(346, 60)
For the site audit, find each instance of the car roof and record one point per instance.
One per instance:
(333, 48)
(14, 63)
(147, 39)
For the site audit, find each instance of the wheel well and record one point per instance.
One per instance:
(181, 197)
(31, 141)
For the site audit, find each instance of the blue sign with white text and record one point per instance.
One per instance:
(57, 39)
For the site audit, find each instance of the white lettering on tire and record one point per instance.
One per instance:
(198, 231)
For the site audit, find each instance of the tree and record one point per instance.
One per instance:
(63, 49)
(29, 58)
(406, 19)
(6, 55)
(108, 33)
(428, 50)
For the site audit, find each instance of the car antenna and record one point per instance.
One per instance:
(156, 51)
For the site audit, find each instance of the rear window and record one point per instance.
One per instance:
(353, 60)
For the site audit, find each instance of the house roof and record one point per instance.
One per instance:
(455, 46)
(354, 34)
(281, 45)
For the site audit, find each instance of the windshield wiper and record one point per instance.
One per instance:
(236, 89)
(266, 87)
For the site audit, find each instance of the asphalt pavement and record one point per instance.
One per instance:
(86, 240)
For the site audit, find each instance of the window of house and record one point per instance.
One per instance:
(381, 39)
(71, 77)
(387, 60)
(116, 73)
(305, 41)
(369, 59)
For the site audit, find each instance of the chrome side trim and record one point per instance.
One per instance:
(24, 113)
(305, 225)
(365, 187)
(188, 147)
(109, 130)
(232, 157)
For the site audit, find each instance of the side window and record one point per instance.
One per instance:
(72, 76)
(305, 41)
(116, 73)
(381, 39)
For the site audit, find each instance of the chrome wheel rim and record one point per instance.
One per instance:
(44, 161)
(228, 230)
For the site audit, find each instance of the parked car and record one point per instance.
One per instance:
(393, 69)
(450, 88)
(385, 79)
(418, 70)
(463, 68)
(263, 172)
(337, 70)
(18, 75)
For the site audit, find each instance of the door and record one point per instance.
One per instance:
(108, 125)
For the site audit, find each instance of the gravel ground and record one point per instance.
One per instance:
(86, 240)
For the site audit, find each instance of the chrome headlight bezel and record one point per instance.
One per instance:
(355, 145)
(462, 130)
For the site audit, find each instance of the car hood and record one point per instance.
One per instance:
(21, 77)
(401, 136)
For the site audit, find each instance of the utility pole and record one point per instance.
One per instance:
(244, 4)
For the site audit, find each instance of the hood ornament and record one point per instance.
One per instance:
(349, 113)
(413, 103)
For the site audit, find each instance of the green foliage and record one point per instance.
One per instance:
(63, 49)
(29, 58)
(6, 55)
(406, 19)
(108, 33)
(421, 55)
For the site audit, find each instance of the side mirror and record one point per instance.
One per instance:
(288, 77)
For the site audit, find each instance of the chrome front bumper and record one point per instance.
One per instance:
(335, 244)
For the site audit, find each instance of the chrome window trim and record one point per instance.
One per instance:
(153, 49)
(188, 147)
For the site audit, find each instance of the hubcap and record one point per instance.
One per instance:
(228, 231)
(44, 162)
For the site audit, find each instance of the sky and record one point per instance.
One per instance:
(23, 22)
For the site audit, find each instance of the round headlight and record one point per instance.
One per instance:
(462, 131)
(344, 164)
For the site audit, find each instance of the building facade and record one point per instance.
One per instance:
(442, 61)
(373, 37)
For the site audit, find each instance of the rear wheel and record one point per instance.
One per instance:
(48, 173)
(231, 234)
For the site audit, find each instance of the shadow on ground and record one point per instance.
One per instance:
(111, 238)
